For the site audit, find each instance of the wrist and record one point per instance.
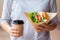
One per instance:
(8, 29)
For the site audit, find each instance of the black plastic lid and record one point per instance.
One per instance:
(18, 22)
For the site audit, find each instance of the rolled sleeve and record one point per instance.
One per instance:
(53, 6)
(53, 9)
(6, 11)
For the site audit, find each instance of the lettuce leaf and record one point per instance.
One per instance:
(32, 16)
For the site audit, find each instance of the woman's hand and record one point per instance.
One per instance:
(45, 27)
(13, 31)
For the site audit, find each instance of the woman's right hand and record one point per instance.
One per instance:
(13, 31)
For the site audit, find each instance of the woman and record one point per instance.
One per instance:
(14, 9)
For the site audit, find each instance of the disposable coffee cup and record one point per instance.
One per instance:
(18, 24)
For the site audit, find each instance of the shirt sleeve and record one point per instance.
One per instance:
(53, 6)
(53, 9)
(6, 11)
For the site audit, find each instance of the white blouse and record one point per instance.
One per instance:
(14, 9)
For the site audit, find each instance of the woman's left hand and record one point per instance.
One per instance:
(45, 27)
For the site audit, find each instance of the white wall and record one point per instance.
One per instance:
(58, 5)
(1, 4)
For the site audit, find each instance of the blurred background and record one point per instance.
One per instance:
(55, 34)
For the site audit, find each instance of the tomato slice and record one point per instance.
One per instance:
(39, 17)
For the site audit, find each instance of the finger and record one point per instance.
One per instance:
(41, 25)
(37, 30)
(14, 29)
(15, 32)
(44, 25)
(15, 35)
(40, 28)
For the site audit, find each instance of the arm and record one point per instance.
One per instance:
(53, 9)
(54, 21)
(5, 19)
(53, 24)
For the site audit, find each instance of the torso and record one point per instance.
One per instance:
(21, 6)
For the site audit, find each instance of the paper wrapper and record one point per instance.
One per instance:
(51, 15)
